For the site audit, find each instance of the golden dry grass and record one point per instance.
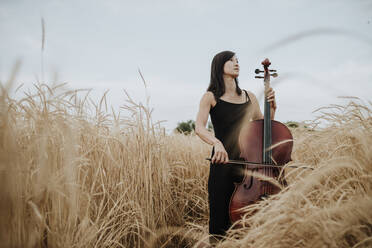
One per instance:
(73, 178)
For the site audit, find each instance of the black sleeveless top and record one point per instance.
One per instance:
(227, 118)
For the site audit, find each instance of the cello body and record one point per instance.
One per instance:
(253, 189)
(265, 142)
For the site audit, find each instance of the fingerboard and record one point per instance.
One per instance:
(267, 153)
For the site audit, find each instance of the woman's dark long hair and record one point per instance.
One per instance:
(216, 84)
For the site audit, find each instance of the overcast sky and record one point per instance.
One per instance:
(321, 49)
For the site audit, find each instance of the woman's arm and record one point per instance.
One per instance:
(257, 114)
(220, 154)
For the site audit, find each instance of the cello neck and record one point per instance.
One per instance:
(267, 153)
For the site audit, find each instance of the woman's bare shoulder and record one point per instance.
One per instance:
(251, 95)
(256, 106)
(208, 99)
(209, 94)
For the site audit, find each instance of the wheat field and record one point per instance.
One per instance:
(73, 174)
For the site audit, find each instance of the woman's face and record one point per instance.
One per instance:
(231, 67)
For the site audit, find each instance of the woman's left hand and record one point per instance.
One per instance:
(271, 99)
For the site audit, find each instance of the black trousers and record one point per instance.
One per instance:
(220, 189)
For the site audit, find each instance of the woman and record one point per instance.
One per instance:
(229, 106)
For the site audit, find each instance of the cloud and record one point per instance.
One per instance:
(299, 96)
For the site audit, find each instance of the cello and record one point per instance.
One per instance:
(265, 146)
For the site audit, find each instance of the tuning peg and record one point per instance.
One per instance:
(274, 75)
(257, 71)
(272, 70)
(258, 76)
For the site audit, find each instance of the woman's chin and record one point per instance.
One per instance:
(233, 75)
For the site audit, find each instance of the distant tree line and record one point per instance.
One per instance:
(187, 127)
(293, 124)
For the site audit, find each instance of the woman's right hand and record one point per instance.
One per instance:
(220, 155)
